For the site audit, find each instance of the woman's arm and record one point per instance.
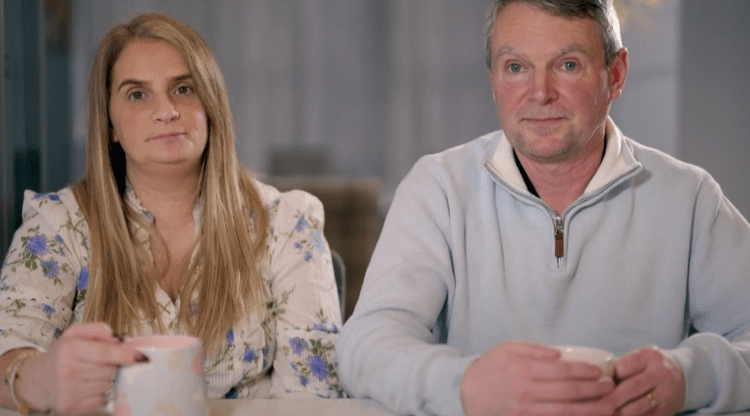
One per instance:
(304, 298)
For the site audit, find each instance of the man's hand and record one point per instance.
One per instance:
(650, 382)
(526, 378)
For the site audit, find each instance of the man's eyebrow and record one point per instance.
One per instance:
(138, 83)
(508, 50)
(573, 48)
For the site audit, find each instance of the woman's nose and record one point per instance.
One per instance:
(164, 109)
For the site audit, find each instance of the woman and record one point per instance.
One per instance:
(164, 215)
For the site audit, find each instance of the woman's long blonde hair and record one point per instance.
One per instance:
(225, 275)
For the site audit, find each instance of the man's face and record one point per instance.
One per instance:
(550, 83)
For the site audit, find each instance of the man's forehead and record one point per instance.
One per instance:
(521, 27)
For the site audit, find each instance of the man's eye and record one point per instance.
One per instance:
(569, 66)
(514, 68)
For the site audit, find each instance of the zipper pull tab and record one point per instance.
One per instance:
(559, 240)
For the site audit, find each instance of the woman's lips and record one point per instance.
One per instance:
(168, 136)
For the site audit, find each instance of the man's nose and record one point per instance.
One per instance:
(543, 87)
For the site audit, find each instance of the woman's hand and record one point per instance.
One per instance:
(76, 373)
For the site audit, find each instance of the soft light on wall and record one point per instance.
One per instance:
(638, 14)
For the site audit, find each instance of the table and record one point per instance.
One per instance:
(307, 407)
(311, 407)
(272, 407)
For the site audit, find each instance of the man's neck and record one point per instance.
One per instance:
(559, 184)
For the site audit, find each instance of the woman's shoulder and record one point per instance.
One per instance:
(54, 207)
(295, 200)
(292, 215)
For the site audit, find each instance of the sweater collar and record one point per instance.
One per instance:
(617, 161)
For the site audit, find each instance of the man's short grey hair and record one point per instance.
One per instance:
(602, 11)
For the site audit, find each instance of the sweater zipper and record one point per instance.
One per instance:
(559, 228)
(559, 240)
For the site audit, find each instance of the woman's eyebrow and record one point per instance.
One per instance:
(139, 83)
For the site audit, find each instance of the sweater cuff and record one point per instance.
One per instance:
(696, 366)
(444, 385)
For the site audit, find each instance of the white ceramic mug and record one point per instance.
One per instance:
(596, 356)
(170, 383)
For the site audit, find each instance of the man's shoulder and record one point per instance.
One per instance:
(658, 161)
(471, 153)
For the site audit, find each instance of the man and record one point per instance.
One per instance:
(555, 230)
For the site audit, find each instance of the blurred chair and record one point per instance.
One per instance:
(339, 271)
(295, 160)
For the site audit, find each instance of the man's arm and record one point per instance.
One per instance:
(716, 361)
(387, 348)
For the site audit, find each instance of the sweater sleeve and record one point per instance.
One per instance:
(391, 348)
(304, 299)
(716, 360)
(40, 275)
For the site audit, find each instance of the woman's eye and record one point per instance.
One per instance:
(184, 89)
(135, 95)
(569, 66)
(514, 68)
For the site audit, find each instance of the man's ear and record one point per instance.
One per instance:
(618, 72)
(492, 89)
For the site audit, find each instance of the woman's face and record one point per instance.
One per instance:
(156, 114)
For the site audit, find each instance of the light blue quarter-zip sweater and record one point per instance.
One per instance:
(467, 259)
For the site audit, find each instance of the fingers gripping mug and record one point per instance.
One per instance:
(171, 383)
(596, 356)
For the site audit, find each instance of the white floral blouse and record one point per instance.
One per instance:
(290, 354)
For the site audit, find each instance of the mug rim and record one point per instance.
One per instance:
(581, 352)
(161, 341)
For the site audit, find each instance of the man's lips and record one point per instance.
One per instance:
(543, 119)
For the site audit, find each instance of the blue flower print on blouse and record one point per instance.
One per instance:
(37, 245)
(318, 366)
(317, 241)
(83, 278)
(49, 268)
(48, 310)
(83, 282)
(313, 360)
(50, 196)
(333, 329)
(249, 355)
(308, 237)
(298, 345)
(230, 337)
(302, 224)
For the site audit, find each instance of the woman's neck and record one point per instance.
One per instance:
(169, 196)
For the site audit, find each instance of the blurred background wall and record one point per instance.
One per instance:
(343, 96)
